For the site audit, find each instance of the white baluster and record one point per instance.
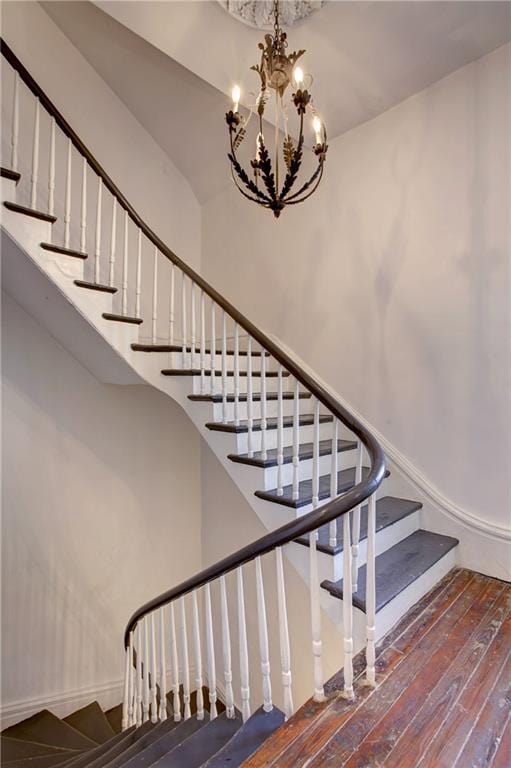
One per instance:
(264, 421)
(140, 656)
(243, 649)
(250, 415)
(124, 717)
(154, 672)
(280, 432)
(176, 699)
(226, 648)
(146, 663)
(138, 287)
(35, 158)
(371, 593)
(263, 638)
(125, 267)
(210, 653)
(213, 348)
(113, 238)
(347, 609)
(356, 519)
(285, 653)
(183, 318)
(334, 470)
(186, 664)
(315, 457)
(203, 342)
(296, 441)
(97, 249)
(83, 209)
(193, 333)
(51, 173)
(131, 692)
(67, 197)
(236, 375)
(163, 668)
(224, 367)
(198, 656)
(171, 306)
(319, 694)
(155, 295)
(15, 122)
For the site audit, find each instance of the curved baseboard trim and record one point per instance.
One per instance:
(411, 472)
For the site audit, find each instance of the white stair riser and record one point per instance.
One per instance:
(271, 409)
(175, 359)
(306, 436)
(202, 385)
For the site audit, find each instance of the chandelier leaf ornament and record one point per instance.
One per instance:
(273, 176)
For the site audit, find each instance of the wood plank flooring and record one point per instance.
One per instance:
(443, 695)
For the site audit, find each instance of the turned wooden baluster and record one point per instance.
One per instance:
(67, 194)
(186, 664)
(263, 638)
(16, 123)
(347, 608)
(153, 679)
(125, 267)
(140, 657)
(224, 367)
(203, 343)
(371, 593)
(163, 666)
(51, 171)
(210, 653)
(236, 375)
(198, 656)
(127, 684)
(97, 249)
(264, 421)
(213, 349)
(171, 305)
(138, 285)
(334, 470)
(296, 441)
(280, 432)
(176, 698)
(243, 648)
(250, 414)
(183, 319)
(83, 209)
(226, 649)
(145, 662)
(113, 239)
(35, 157)
(356, 519)
(155, 297)
(285, 652)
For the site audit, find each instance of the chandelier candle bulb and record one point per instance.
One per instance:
(236, 94)
(298, 76)
(316, 124)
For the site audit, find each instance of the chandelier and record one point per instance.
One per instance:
(262, 184)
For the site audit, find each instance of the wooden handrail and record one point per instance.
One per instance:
(286, 533)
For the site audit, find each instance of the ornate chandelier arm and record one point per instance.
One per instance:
(242, 175)
(305, 187)
(294, 165)
(294, 200)
(249, 197)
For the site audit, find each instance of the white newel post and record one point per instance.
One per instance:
(285, 652)
(226, 649)
(198, 656)
(243, 648)
(263, 638)
(210, 653)
(371, 593)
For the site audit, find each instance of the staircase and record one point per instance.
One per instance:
(312, 473)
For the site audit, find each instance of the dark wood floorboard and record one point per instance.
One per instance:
(443, 695)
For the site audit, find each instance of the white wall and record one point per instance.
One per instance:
(392, 281)
(139, 167)
(101, 512)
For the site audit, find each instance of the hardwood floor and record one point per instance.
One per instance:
(443, 696)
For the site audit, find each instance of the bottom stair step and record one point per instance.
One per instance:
(398, 567)
(47, 728)
(167, 742)
(248, 739)
(206, 742)
(42, 761)
(18, 749)
(101, 754)
(92, 722)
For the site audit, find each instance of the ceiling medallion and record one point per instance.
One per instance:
(277, 69)
(259, 13)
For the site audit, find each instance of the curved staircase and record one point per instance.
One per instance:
(312, 473)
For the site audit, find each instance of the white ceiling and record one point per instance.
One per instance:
(365, 58)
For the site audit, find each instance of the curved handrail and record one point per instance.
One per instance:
(305, 524)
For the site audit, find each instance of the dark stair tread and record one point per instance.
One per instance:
(193, 700)
(194, 751)
(95, 286)
(398, 567)
(248, 739)
(114, 717)
(243, 397)
(46, 728)
(207, 372)
(305, 452)
(43, 761)
(108, 750)
(137, 747)
(179, 348)
(30, 212)
(306, 419)
(7, 173)
(389, 510)
(17, 749)
(92, 722)
(168, 742)
(122, 318)
(64, 251)
(345, 480)
(119, 747)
